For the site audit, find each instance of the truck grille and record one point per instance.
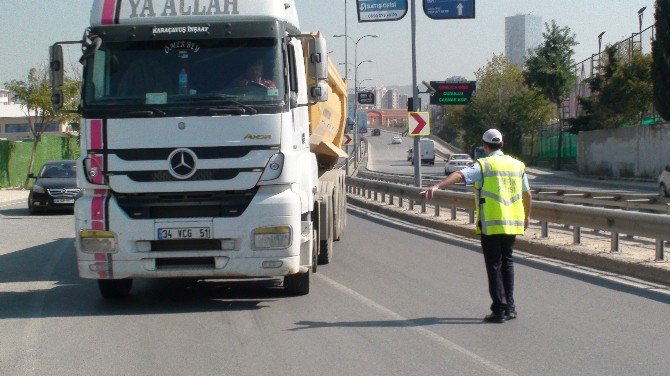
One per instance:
(185, 263)
(181, 205)
(186, 245)
(63, 193)
(161, 176)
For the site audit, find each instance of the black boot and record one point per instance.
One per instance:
(510, 314)
(495, 317)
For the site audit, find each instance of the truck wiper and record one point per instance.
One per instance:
(148, 112)
(225, 110)
(227, 101)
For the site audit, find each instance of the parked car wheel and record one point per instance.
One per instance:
(663, 191)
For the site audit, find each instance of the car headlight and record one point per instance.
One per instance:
(277, 237)
(38, 188)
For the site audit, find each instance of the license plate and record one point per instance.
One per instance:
(63, 201)
(184, 233)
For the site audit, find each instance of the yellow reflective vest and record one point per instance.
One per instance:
(499, 199)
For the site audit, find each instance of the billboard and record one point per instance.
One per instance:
(449, 9)
(452, 93)
(381, 10)
(366, 97)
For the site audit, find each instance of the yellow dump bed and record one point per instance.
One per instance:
(328, 121)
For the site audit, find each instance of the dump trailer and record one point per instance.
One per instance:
(209, 136)
(327, 128)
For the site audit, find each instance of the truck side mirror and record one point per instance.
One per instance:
(319, 92)
(318, 58)
(56, 75)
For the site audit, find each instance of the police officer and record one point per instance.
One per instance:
(503, 202)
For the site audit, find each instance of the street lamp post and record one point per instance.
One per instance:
(347, 68)
(361, 83)
(356, 134)
(640, 16)
(356, 65)
(600, 43)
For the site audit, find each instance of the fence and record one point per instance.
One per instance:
(15, 156)
(589, 67)
(654, 226)
(546, 144)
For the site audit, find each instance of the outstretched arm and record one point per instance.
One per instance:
(455, 177)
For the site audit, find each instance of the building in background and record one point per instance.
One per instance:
(5, 97)
(14, 125)
(389, 99)
(522, 33)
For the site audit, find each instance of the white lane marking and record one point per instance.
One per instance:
(424, 332)
(19, 287)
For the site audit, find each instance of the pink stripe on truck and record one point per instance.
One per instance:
(108, 10)
(96, 134)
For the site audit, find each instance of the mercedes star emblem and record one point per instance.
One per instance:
(182, 163)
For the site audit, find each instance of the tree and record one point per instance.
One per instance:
(35, 95)
(504, 102)
(621, 93)
(549, 70)
(661, 52)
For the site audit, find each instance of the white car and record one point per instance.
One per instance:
(664, 182)
(457, 162)
(396, 140)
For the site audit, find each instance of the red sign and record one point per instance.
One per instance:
(419, 124)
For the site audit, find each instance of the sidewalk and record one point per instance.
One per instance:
(12, 195)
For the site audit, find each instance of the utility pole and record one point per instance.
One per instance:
(415, 101)
(346, 76)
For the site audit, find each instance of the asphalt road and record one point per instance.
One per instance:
(392, 303)
(389, 158)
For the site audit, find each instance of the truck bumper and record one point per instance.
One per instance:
(135, 256)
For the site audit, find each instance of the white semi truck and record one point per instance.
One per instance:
(209, 134)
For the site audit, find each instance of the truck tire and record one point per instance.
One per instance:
(340, 209)
(115, 288)
(315, 250)
(297, 284)
(326, 251)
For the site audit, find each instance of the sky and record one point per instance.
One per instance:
(444, 48)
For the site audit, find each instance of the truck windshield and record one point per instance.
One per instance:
(178, 72)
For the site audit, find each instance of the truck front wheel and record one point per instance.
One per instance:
(115, 288)
(297, 284)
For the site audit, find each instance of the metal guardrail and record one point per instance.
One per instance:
(654, 226)
(633, 202)
(446, 145)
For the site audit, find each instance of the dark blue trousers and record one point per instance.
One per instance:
(500, 270)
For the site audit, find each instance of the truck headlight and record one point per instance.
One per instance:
(274, 167)
(38, 188)
(93, 241)
(277, 237)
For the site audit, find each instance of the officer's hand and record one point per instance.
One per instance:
(429, 193)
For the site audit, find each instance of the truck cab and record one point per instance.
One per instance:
(195, 140)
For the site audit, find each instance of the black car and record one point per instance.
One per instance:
(55, 187)
(376, 132)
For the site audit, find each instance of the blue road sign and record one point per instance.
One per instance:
(449, 9)
(381, 10)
